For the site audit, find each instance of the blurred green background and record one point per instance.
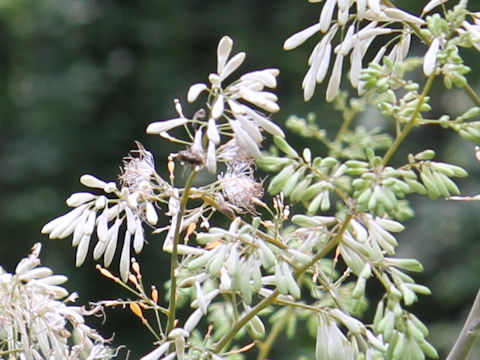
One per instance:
(81, 79)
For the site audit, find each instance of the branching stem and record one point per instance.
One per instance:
(272, 297)
(403, 134)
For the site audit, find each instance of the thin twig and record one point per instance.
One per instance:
(469, 333)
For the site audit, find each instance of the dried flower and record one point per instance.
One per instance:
(240, 188)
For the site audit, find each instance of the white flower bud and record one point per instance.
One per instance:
(125, 257)
(152, 216)
(211, 162)
(232, 65)
(334, 82)
(326, 15)
(138, 239)
(212, 131)
(300, 37)
(157, 353)
(218, 107)
(195, 91)
(400, 15)
(92, 182)
(79, 198)
(159, 127)
(430, 60)
(223, 52)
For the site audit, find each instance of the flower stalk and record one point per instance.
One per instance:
(174, 261)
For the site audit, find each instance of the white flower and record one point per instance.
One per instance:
(36, 317)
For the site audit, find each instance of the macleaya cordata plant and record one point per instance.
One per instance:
(249, 267)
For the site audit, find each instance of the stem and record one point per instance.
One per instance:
(174, 263)
(411, 123)
(266, 346)
(475, 98)
(469, 333)
(244, 320)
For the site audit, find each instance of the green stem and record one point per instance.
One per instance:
(266, 346)
(411, 123)
(174, 262)
(469, 333)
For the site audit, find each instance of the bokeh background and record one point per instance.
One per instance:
(81, 79)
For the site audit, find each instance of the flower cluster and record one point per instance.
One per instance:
(232, 110)
(133, 204)
(36, 322)
(356, 41)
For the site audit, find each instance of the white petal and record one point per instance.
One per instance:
(258, 98)
(266, 77)
(166, 125)
(211, 162)
(125, 257)
(356, 67)
(324, 64)
(300, 37)
(218, 107)
(236, 108)
(90, 223)
(244, 140)
(102, 225)
(99, 249)
(193, 320)
(366, 33)
(361, 8)
(131, 220)
(232, 65)
(92, 182)
(326, 15)
(250, 128)
(223, 52)
(139, 238)
(334, 82)
(79, 198)
(157, 353)
(151, 215)
(112, 243)
(202, 305)
(82, 250)
(309, 81)
(430, 60)
(432, 4)
(212, 131)
(342, 16)
(264, 123)
(347, 42)
(400, 15)
(195, 91)
(374, 5)
(78, 233)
